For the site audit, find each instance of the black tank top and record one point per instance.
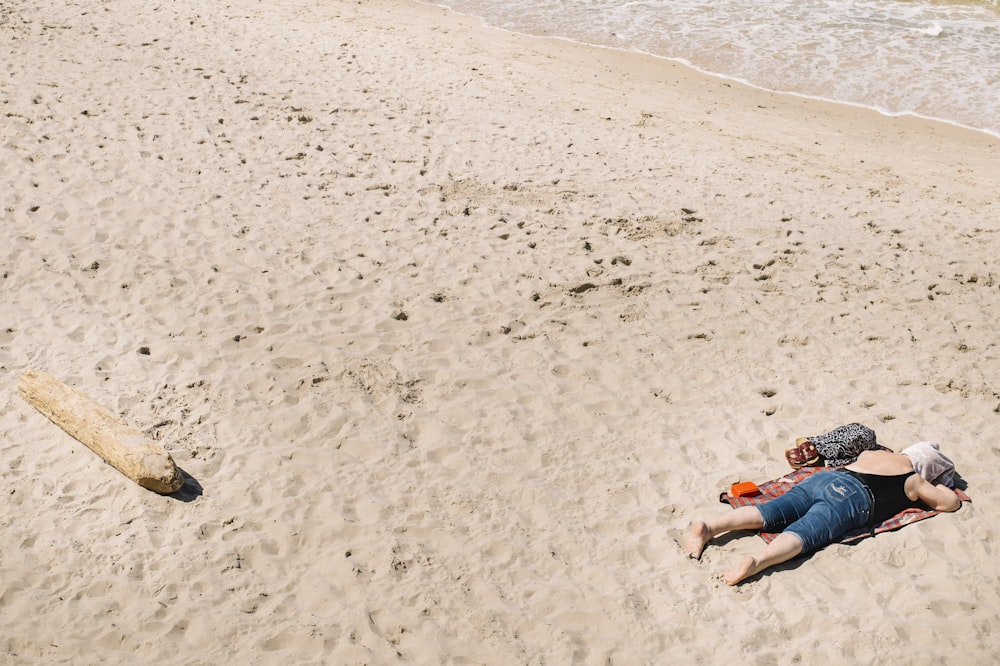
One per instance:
(888, 493)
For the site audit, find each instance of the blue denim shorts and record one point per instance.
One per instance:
(819, 510)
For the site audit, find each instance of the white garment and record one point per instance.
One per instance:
(930, 463)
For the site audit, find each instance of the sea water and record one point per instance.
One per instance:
(933, 58)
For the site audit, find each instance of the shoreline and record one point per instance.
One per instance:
(993, 134)
(910, 118)
(456, 331)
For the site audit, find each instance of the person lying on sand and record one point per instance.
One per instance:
(827, 505)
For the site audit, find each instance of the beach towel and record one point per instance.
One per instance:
(771, 489)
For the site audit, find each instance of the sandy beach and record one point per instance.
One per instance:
(455, 331)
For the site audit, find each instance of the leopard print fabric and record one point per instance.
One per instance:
(842, 446)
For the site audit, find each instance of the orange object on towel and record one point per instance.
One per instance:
(744, 489)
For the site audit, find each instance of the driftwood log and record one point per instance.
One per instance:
(117, 443)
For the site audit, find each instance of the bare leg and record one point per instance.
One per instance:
(784, 547)
(701, 532)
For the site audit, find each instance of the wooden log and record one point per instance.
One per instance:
(117, 443)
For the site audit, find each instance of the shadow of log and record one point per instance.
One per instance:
(190, 491)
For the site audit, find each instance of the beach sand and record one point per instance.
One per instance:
(455, 331)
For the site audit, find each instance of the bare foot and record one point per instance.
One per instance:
(746, 567)
(698, 536)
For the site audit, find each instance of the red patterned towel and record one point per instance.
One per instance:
(778, 487)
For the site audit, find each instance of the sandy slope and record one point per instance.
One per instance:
(455, 331)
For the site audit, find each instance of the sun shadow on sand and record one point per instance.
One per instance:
(723, 539)
(190, 491)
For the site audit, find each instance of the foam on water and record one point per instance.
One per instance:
(933, 59)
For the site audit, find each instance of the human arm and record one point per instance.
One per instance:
(938, 497)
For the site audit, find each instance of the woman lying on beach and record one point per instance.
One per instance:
(828, 505)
